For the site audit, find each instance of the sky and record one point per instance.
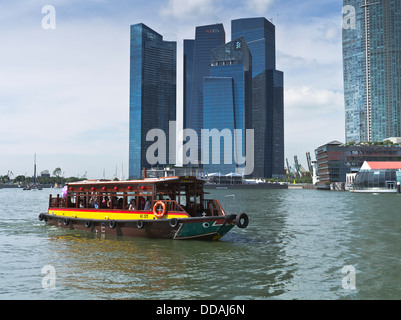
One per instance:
(64, 91)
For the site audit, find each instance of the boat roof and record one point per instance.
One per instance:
(181, 179)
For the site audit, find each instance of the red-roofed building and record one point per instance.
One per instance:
(381, 165)
(378, 176)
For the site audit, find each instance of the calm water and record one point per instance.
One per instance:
(295, 247)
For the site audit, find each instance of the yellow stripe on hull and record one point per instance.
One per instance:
(112, 215)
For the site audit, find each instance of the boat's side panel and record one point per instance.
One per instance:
(210, 228)
(111, 214)
(137, 228)
(193, 229)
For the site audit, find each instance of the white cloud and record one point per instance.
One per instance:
(315, 39)
(313, 101)
(259, 6)
(313, 116)
(330, 32)
(190, 10)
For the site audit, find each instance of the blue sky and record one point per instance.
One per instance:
(64, 93)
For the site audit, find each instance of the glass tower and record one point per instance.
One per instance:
(227, 102)
(267, 95)
(196, 66)
(188, 74)
(372, 72)
(152, 93)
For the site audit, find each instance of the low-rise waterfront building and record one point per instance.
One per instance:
(377, 176)
(335, 159)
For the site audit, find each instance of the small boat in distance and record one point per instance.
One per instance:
(168, 207)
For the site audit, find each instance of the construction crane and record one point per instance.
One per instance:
(297, 166)
(290, 173)
(310, 167)
(300, 170)
(10, 174)
(308, 159)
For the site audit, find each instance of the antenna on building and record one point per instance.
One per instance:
(272, 19)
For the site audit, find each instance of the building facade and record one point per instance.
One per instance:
(335, 159)
(267, 95)
(196, 67)
(227, 101)
(152, 93)
(371, 55)
(378, 177)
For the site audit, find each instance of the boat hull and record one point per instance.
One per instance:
(205, 228)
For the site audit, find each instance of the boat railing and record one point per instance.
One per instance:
(56, 202)
(171, 205)
(213, 207)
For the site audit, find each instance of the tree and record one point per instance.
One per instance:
(19, 179)
(4, 179)
(57, 172)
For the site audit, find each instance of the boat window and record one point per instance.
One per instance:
(72, 201)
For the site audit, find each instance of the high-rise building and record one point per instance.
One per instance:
(372, 69)
(152, 93)
(196, 66)
(227, 101)
(267, 95)
(189, 46)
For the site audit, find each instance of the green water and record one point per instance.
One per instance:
(295, 247)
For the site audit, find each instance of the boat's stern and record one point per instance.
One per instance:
(210, 228)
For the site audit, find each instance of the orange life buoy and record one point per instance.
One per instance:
(157, 212)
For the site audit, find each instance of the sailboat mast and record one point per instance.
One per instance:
(34, 170)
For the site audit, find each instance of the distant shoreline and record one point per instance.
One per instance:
(246, 186)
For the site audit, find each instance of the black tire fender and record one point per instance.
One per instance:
(113, 224)
(140, 224)
(66, 221)
(41, 217)
(173, 222)
(242, 220)
(88, 224)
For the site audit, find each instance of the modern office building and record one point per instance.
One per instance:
(227, 101)
(267, 95)
(196, 67)
(189, 46)
(152, 93)
(372, 72)
(335, 159)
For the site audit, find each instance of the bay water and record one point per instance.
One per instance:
(300, 244)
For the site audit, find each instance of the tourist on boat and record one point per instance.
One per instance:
(132, 205)
(141, 203)
(147, 205)
(108, 202)
(93, 201)
(120, 203)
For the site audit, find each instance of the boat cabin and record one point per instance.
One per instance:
(179, 194)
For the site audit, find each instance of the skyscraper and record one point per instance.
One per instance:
(152, 93)
(196, 66)
(372, 69)
(267, 95)
(227, 101)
